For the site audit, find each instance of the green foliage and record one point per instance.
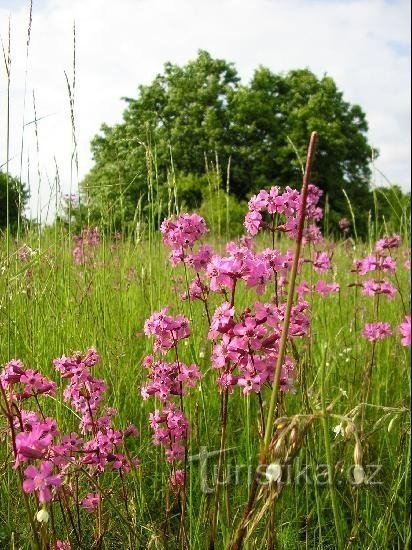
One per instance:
(18, 196)
(191, 115)
(224, 214)
(393, 208)
(56, 307)
(190, 190)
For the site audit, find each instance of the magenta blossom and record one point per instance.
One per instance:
(323, 288)
(376, 331)
(405, 330)
(321, 262)
(388, 242)
(177, 481)
(41, 480)
(90, 502)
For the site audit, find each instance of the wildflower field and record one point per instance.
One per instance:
(178, 390)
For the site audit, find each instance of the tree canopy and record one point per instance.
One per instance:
(18, 196)
(201, 113)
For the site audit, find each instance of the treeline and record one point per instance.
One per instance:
(197, 138)
(197, 126)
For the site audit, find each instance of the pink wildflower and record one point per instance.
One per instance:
(177, 481)
(376, 331)
(372, 287)
(405, 331)
(344, 224)
(183, 231)
(323, 288)
(321, 262)
(388, 242)
(222, 320)
(90, 502)
(25, 253)
(41, 480)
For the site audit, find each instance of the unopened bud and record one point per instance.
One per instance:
(358, 474)
(281, 422)
(42, 516)
(350, 429)
(273, 472)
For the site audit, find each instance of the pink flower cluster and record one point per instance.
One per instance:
(245, 347)
(321, 287)
(167, 330)
(405, 331)
(371, 287)
(171, 429)
(181, 233)
(376, 331)
(85, 243)
(266, 204)
(24, 383)
(380, 262)
(25, 254)
(344, 224)
(168, 380)
(386, 243)
(246, 350)
(242, 263)
(85, 394)
(37, 438)
(377, 262)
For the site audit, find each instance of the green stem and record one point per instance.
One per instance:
(289, 303)
(331, 485)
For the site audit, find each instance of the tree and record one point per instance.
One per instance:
(201, 113)
(274, 116)
(18, 196)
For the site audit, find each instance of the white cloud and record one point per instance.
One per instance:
(363, 45)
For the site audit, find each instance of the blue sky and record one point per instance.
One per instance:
(363, 44)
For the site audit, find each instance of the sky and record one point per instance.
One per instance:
(363, 44)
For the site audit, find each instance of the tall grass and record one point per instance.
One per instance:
(51, 307)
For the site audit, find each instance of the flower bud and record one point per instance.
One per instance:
(273, 472)
(350, 429)
(358, 474)
(281, 422)
(42, 516)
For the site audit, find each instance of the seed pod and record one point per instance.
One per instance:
(357, 454)
(350, 429)
(279, 448)
(293, 436)
(391, 423)
(281, 422)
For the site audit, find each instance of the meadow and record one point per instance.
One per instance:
(321, 463)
